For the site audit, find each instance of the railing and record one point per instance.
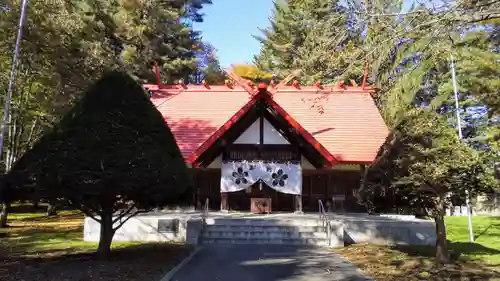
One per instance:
(204, 215)
(325, 222)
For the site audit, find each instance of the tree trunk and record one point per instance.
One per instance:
(35, 205)
(3, 215)
(51, 210)
(106, 235)
(442, 253)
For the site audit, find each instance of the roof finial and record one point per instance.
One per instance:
(240, 81)
(157, 72)
(181, 83)
(365, 76)
(288, 78)
(228, 83)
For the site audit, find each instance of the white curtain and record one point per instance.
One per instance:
(239, 175)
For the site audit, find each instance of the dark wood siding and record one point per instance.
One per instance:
(316, 184)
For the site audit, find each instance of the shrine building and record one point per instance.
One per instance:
(273, 148)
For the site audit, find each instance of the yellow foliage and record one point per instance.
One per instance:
(250, 72)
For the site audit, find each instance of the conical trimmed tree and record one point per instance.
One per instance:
(112, 157)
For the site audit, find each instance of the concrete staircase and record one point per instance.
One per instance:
(264, 231)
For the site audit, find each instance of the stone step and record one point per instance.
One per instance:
(263, 234)
(282, 241)
(264, 222)
(260, 228)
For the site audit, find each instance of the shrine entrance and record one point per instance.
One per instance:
(257, 193)
(260, 159)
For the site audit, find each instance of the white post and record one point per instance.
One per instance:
(460, 136)
(8, 97)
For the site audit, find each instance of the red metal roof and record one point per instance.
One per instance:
(344, 125)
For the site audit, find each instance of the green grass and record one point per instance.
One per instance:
(55, 246)
(486, 233)
(36, 234)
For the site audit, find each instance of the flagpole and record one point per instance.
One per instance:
(460, 136)
(8, 96)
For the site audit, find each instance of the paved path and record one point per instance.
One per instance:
(267, 263)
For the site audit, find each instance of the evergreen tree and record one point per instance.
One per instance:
(408, 54)
(308, 35)
(142, 32)
(422, 162)
(80, 40)
(208, 66)
(111, 157)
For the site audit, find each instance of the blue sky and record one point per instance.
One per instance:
(229, 25)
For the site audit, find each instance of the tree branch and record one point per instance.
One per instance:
(124, 213)
(129, 217)
(84, 210)
(479, 17)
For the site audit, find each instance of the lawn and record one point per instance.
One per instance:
(38, 247)
(471, 261)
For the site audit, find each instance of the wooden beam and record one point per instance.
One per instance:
(240, 81)
(288, 78)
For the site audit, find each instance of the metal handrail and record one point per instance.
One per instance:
(325, 222)
(204, 215)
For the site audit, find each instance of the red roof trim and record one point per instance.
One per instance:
(304, 133)
(223, 129)
(236, 117)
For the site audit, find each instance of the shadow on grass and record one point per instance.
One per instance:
(30, 208)
(28, 236)
(137, 262)
(495, 225)
(65, 215)
(457, 248)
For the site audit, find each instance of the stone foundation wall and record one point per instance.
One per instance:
(345, 229)
(390, 232)
(149, 229)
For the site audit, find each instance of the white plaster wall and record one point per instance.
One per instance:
(272, 135)
(305, 164)
(250, 135)
(216, 164)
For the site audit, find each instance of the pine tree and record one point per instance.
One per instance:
(67, 44)
(306, 35)
(111, 157)
(142, 32)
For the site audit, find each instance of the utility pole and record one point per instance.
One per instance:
(460, 136)
(8, 96)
